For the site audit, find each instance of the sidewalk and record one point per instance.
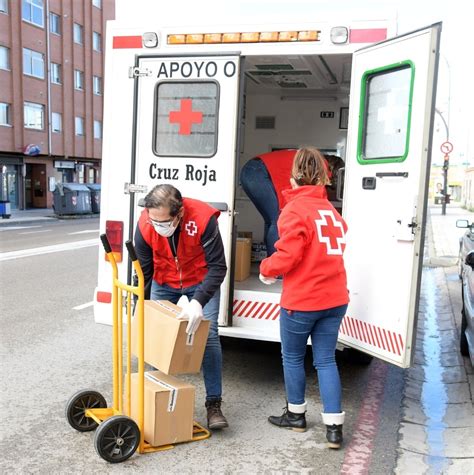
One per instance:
(436, 434)
(35, 215)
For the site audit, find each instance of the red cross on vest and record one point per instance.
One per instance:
(185, 117)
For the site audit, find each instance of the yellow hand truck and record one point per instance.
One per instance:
(119, 436)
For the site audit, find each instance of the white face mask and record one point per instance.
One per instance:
(164, 229)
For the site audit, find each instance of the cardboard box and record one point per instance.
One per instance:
(242, 258)
(244, 234)
(169, 408)
(167, 346)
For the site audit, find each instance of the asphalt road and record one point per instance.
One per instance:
(51, 348)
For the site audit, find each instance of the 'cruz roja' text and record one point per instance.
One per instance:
(191, 173)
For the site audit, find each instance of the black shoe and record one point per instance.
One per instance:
(334, 436)
(289, 420)
(215, 418)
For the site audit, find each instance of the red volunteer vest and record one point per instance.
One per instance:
(279, 164)
(190, 266)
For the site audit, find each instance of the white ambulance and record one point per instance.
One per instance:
(190, 105)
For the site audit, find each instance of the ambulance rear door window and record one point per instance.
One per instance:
(186, 118)
(386, 101)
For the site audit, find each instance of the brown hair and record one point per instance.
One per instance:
(165, 196)
(309, 167)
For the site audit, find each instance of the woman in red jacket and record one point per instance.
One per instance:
(314, 297)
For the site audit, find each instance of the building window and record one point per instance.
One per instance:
(97, 129)
(79, 123)
(55, 23)
(4, 57)
(56, 77)
(56, 122)
(97, 83)
(33, 63)
(3, 6)
(33, 12)
(33, 116)
(78, 34)
(97, 3)
(4, 114)
(96, 41)
(78, 80)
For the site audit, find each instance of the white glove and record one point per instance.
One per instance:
(267, 280)
(193, 312)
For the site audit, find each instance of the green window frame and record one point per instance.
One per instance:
(374, 114)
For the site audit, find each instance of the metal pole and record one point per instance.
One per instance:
(445, 167)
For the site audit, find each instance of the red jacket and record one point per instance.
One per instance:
(189, 267)
(309, 252)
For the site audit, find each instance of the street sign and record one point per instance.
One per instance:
(446, 147)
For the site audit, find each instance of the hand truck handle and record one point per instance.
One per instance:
(131, 250)
(106, 243)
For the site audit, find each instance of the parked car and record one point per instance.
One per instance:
(466, 272)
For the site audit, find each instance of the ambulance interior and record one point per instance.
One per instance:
(289, 102)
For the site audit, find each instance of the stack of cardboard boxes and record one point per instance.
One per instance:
(169, 401)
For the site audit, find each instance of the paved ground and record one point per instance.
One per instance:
(436, 434)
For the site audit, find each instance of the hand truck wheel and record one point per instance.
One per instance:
(77, 405)
(117, 439)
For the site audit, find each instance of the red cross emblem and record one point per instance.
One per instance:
(329, 235)
(185, 117)
(191, 228)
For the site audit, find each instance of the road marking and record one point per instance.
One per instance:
(67, 246)
(83, 306)
(358, 455)
(36, 232)
(15, 228)
(84, 232)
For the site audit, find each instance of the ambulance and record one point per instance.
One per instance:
(189, 106)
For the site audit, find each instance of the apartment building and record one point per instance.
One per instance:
(51, 96)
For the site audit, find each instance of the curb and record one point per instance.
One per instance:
(42, 219)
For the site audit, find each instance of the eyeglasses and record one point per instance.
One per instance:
(162, 224)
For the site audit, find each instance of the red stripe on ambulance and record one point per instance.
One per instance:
(367, 35)
(255, 309)
(372, 335)
(264, 310)
(122, 42)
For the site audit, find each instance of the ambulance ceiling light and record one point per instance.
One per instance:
(274, 67)
(339, 35)
(243, 37)
(308, 97)
(150, 39)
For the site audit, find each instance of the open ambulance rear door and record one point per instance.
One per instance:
(386, 187)
(185, 129)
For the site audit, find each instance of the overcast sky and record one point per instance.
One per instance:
(456, 71)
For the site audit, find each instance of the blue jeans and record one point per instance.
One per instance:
(323, 327)
(258, 185)
(212, 361)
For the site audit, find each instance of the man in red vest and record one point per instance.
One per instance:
(181, 253)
